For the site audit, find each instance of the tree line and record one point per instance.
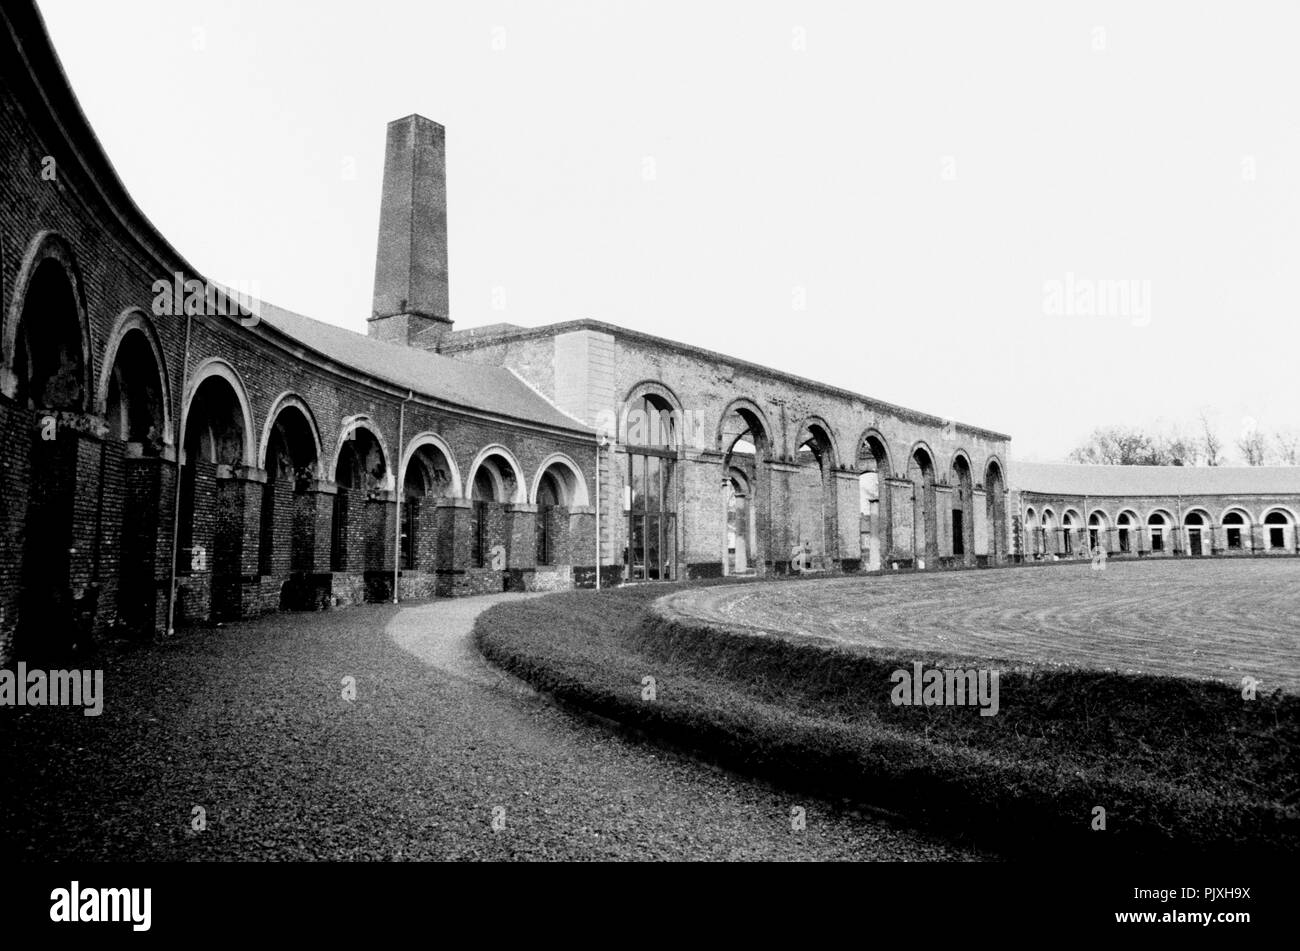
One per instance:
(1136, 446)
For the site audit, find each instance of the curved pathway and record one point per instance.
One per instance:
(250, 724)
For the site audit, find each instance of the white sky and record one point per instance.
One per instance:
(920, 170)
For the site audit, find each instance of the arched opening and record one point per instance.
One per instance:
(873, 501)
(1196, 526)
(49, 372)
(739, 512)
(1033, 531)
(1278, 531)
(549, 496)
(135, 407)
(925, 525)
(209, 547)
(492, 486)
(357, 543)
(1125, 525)
(49, 363)
(1098, 533)
(650, 489)
(1236, 529)
(812, 496)
(287, 541)
(560, 488)
(995, 504)
(1070, 527)
(1051, 541)
(963, 516)
(134, 404)
(746, 487)
(428, 480)
(1157, 527)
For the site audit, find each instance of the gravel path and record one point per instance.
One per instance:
(248, 723)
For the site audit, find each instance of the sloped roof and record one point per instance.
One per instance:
(490, 389)
(1064, 479)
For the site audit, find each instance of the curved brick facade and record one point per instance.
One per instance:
(175, 453)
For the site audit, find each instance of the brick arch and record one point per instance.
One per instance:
(748, 410)
(885, 469)
(496, 449)
(1284, 509)
(350, 425)
(133, 319)
(217, 367)
(47, 246)
(1159, 510)
(578, 485)
(922, 444)
(964, 456)
(820, 422)
(653, 388)
(437, 442)
(1248, 519)
(287, 400)
(989, 464)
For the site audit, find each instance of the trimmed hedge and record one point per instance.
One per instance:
(1178, 765)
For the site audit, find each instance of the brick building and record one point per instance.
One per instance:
(174, 453)
(1068, 511)
(162, 435)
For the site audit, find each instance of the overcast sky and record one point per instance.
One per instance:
(915, 201)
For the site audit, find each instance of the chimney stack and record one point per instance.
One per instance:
(411, 297)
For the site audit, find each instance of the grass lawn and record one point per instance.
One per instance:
(1222, 619)
(1178, 764)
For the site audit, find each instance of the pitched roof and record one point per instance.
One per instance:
(1064, 479)
(491, 389)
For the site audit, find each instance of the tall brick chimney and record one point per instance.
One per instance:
(411, 268)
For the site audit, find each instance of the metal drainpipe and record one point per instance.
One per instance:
(180, 460)
(398, 483)
(599, 444)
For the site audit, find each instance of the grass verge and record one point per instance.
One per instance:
(1179, 766)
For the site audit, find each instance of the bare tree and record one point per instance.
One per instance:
(1129, 446)
(1211, 444)
(1253, 447)
(1288, 446)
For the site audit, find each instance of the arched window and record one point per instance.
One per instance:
(1097, 537)
(1125, 524)
(1069, 526)
(1194, 523)
(1156, 524)
(650, 491)
(483, 493)
(1233, 525)
(1277, 525)
(549, 496)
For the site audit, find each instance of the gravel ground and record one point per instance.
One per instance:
(249, 723)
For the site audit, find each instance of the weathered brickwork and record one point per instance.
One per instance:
(804, 498)
(1041, 532)
(161, 468)
(78, 267)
